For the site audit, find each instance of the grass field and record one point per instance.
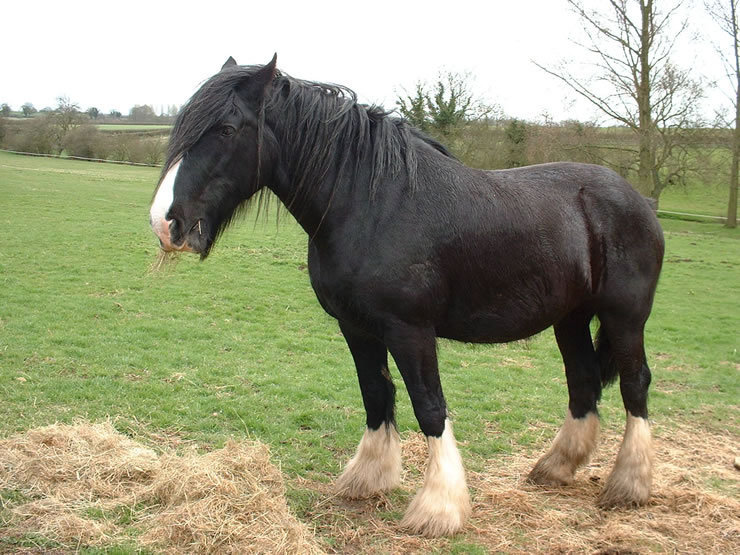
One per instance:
(708, 201)
(238, 346)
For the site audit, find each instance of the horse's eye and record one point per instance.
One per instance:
(227, 131)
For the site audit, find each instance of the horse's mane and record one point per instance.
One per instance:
(330, 132)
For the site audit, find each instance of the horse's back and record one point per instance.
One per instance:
(624, 237)
(609, 207)
(564, 181)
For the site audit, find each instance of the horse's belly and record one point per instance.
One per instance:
(491, 328)
(505, 318)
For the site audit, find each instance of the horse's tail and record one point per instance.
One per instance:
(607, 365)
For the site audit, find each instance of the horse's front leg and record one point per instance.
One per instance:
(376, 466)
(442, 505)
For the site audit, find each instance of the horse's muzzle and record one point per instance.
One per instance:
(171, 240)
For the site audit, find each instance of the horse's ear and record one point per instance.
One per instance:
(255, 86)
(231, 62)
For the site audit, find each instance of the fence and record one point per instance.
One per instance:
(120, 162)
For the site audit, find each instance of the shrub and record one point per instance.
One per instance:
(84, 141)
(37, 136)
(147, 150)
(121, 145)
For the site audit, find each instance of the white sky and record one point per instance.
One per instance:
(114, 55)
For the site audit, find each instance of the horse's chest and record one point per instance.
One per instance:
(333, 289)
(353, 290)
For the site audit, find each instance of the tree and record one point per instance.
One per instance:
(725, 14)
(447, 105)
(93, 112)
(636, 84)
(516, 141)
(5, 110)
(115, 114)
(67, 115)
(143, 113)
(28, 109)
(414, 108)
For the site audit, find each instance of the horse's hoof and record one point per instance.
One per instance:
(353, 485)
(620, 494)
(430, 516)
(434, 526)
(549, 472)
(630, 481)
(375, 468)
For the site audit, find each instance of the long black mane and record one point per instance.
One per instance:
(325, 129)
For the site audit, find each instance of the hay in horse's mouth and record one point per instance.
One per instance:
(165, 260)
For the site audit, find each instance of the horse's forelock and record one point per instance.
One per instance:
(207, 107)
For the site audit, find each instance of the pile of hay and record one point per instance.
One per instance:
(88, 485)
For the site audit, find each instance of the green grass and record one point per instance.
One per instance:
(707, 200)
(238, 346)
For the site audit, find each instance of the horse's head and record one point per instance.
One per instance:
(215, 160)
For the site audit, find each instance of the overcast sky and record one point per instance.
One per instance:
(113, 55)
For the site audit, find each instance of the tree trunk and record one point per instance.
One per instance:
(732, 203)
(647, 156)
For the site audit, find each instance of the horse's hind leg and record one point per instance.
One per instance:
(620, 349)
(376, 466)
(442, 505)
(577, 437)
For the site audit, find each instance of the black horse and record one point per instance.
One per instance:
(406, 244)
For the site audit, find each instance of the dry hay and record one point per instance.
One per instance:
(76, 479)
(81, 463)
(512, 516)
(229, 500)
(164, 261)
(682, 515)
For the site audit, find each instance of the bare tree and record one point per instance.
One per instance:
(725, 14)
(635, 83)
(67, 115)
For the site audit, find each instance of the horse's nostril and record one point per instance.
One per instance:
(174, 226)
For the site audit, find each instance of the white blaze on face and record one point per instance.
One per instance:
(163, 201)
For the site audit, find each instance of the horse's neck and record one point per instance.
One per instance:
(313, 200)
